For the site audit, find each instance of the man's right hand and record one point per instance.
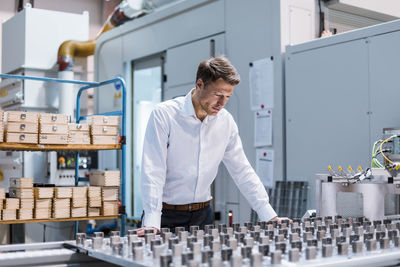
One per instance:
(140, 231)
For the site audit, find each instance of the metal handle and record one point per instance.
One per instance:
(22, 137)
(105, 129)
(54, 117)
(54, 128)
(22, 126)
(23, 116)
(79, 126)
(105, 119)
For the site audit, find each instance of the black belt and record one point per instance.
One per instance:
(186, 207)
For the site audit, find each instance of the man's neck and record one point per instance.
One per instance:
(200, 113)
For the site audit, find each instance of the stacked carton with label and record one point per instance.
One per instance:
(104, 130)
(43, 202)
(62, 202)
(53, 129)
(78, 134)
(22, 127)
(22, 189)
(79, 202)
(109, 181)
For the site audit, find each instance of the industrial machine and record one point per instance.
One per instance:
(373, 193)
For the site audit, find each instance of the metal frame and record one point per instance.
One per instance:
(85, 86)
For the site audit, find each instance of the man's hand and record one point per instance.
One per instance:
(140, 231)
(279, 219)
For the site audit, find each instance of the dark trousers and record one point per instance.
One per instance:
(173, 218)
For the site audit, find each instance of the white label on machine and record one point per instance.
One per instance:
(263, 128)
(261, 78)
(265, 166)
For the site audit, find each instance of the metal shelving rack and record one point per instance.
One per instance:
(40, 147)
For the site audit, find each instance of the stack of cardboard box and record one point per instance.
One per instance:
(22, 188)
(79, 202)
(104, 130)
(43, 202)
(22, 127)
(53, 129)
(62, 202)
(94, 201)
(78, 134)
(109, 181)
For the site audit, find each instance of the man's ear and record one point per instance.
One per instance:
(199, 83)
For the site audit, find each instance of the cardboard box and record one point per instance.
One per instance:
(41, 213)
(9, 215)
(61, 213)
(109, 208)
(53, 139)
(79, 192)
(20, 192)
(44, 192)
(62, 192)
(47, 118)
(104, 178)
(79, 202)
(20, 116)
(25, 214)
(61, 203)
(44, 203)
(22, 127)
(25, 138)
(11, 203)
(95, 202)
(105, 140)
(61, 129)
(26, 203)
(109, 193)
(104, 120)
(79, 212)
(104, 130)
(93, 212)
(94, 191)
(22, 182)
(78, 127)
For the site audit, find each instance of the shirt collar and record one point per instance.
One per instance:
(188, 108)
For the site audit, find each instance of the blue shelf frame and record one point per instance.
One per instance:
(85, 86)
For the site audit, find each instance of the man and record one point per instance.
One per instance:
(186, 139)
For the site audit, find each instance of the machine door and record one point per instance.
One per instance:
(147, 76)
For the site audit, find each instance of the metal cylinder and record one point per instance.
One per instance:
(187, 256)
(97, 242)
(115, 233)
(118, 248)
(206, 255)
(80, 239)
(246, 251)
(98, 234)
(165, 260)
(226, 254)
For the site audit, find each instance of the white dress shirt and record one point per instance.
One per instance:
(181, 155)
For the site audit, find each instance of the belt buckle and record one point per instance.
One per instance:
(190, 207)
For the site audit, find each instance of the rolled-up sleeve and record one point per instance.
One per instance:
(245, 177)
(153, 173)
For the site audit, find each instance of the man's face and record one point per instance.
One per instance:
(213, 96)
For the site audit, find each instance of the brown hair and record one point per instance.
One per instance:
(214, 68)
